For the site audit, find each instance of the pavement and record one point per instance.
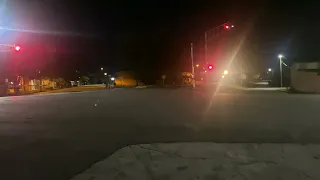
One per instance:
(56, 136)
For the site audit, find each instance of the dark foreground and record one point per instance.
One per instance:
(56, 136)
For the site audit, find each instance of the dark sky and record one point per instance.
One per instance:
(149, 36)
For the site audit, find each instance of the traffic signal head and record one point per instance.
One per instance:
(17, 48)
(226, 26)
(210, 67)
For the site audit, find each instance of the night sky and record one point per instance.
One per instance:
(149, 37)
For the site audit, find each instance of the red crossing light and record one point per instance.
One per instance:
(17, 48)
(226, 26)
(210, 67)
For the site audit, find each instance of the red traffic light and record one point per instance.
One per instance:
(210, 67)
(17, 48)
(226, 26)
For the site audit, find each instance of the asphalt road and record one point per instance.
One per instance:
(56, 136)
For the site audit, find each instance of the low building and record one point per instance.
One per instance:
(305, 77)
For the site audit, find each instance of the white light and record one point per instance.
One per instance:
(232, 26)
(280, 56)
(222, 76)
(112, 79)
(105, 74)
(269, 69)
(225, 72)
(11, 82)
(101, 69)
(205, 71)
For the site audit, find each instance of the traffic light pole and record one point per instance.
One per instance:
(215, 31)
(205, 47)
(280, 61)
(9, 47)
(193, 75)
(4, 48)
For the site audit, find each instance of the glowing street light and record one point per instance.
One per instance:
(269, 69)
(197, 65)
(105, 74)
(225, 72)
(101, 69)
(280, 56)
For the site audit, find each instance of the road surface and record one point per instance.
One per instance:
(56, 136)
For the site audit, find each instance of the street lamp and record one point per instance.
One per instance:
(197, 65)
(105, 74)
(101, 69)
(269, 69)
(280, 56)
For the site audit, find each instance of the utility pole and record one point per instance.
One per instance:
(280, 61)
(241, 74)
(193, 75)
(40, 83)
